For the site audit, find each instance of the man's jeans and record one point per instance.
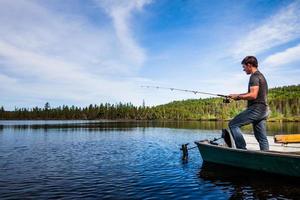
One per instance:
(255, 115)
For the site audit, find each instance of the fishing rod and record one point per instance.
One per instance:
(225, 100)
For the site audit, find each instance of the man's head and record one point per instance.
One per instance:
(250, 64)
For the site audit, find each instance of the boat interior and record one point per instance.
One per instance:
(252, 144)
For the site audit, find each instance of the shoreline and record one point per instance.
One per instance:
(289, 119)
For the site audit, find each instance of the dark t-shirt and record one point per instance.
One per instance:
(258, 79)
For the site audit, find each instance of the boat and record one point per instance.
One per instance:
(281, 159)
(254, 184)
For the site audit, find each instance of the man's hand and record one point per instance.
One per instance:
(235, 96)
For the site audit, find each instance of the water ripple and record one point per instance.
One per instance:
(140, 163)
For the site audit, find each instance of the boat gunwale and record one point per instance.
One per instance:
(247, 151)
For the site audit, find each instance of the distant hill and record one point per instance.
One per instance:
(284, 104)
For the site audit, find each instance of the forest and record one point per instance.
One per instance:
(283, 102)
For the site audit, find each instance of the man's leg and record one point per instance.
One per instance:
(240, 120)
(259, 128)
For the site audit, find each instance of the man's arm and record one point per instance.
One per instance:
(246, 96)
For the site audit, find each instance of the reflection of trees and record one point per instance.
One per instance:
(273, 127)
(70, 127)
(249, 184)
(119, 125)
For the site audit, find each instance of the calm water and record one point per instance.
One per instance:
(124, 160)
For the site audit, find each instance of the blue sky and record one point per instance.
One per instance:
(81, 52)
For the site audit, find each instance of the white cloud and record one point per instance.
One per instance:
(47, 54)
(121, 14)
(276, 30)
(287, 56)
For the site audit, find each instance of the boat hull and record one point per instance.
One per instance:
(287, 164)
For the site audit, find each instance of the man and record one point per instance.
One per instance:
(257, 109)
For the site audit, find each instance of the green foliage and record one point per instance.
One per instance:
(47, 106)
(283, 101)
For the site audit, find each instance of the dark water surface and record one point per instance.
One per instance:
(125, 160)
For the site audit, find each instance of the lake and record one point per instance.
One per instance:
(125, 160)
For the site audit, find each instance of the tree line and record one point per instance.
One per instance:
(283, 102)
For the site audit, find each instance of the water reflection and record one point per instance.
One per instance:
(71, 127)
(119, 160)
(249, 184)
(272, 127)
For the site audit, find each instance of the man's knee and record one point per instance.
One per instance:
(232, 124)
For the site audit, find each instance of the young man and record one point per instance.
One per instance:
(257, 109)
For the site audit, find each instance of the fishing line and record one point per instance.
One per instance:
(225, 100)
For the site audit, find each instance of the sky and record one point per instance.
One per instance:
(82, 52)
